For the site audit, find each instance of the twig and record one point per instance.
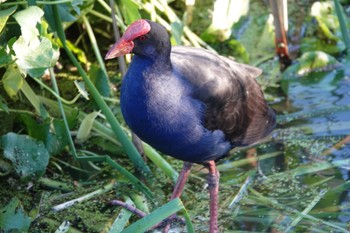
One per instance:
(131, 208)
(86, 197)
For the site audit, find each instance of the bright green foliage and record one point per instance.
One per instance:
(12, 80)
(310, 62)
(245, 31)
(327, 29)
(130, 10)
(34, 50)
(157, 216)
(4, 15)
(86, 126)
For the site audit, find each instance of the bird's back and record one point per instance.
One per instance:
(234, 101)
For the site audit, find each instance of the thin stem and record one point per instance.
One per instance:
(55, 87)
(121, 60)
(94, 44)
(68, 102)
(86, 197)
(131, 208)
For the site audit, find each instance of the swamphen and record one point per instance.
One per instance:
(189, 103)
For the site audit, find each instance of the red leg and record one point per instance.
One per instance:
(179, 187)
(181, 181)
(213, 182)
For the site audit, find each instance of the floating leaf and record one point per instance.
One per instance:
(310, 44)
(311, 62)
(28, 156)
(13, 218)
(326, 36)
(327, 20)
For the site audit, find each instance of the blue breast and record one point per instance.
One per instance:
(158, 107)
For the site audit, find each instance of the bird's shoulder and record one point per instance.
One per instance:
(211, 75)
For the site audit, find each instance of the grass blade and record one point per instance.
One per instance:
(159, 215)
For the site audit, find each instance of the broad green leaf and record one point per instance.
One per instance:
(36, 129)
(310, 44)
(327, 20)
(4, 16)
(34, 52)
(76, 50)
(86, 126)
(176, 32)
(28, 156)
(226, 13)
(5, 58)
(67, 12)
(57, 140)
(100, 80)
(28, 20)
(36, 57)
(13, 218)
(12, 81)
(238, 51)
(310, 62)
(130, 11)
(258, 39)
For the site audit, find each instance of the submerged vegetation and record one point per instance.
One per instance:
(66, 152)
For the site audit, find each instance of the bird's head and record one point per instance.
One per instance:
(142, 37)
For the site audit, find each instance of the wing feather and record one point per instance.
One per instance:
(234, 101)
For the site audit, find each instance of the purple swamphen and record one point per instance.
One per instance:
(189, 103)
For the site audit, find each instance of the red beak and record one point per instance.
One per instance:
(125, 44)
(120, 48)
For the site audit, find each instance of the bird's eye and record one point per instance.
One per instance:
(142, 38)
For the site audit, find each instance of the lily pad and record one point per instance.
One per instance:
(13, 218)
(311, 62)
(28, 156)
